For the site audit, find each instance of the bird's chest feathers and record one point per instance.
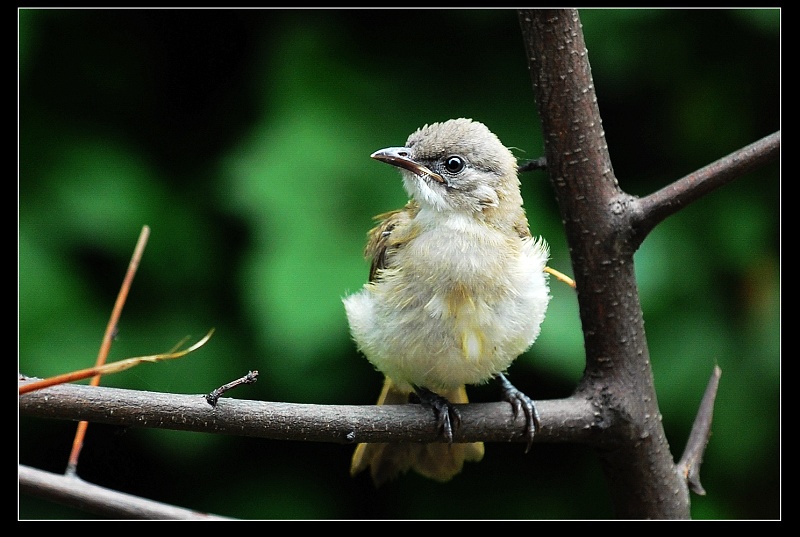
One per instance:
(459, 257)
(463, 274)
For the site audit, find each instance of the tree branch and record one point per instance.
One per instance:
(565, 420)
(652, 209)
(75, 492)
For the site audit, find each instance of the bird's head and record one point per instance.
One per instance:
(456, 166)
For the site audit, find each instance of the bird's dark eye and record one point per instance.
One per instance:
(454, 164)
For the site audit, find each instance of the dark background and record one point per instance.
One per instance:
(242, 138)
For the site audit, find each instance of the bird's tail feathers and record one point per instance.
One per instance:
(439, 461)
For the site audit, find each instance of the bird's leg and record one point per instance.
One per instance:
(521, 403)
(448, 418)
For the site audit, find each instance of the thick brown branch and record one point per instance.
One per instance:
(575, 145)
(654, 208)
(596, 215)
(566, 420)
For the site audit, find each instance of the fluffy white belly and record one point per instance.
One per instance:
(457, 313)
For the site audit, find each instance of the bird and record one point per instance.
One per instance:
(457, 290)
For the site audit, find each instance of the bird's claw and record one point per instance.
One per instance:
(521, 403)
(448, 419)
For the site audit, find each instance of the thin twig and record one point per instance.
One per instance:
(560, 276)
(108, 337)
(250, 378)
(74, 492)
(107, 369)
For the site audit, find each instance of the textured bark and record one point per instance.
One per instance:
(598, 216)
(566, 420)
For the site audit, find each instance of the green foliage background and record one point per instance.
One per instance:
(242, 138)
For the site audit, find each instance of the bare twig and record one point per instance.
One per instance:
(107, 369)
(108, 337)
(560, 276)
(250, 378)
(74, 492)
(113, 321)
(689, 465)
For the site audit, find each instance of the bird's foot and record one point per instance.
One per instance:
(521, 403)
(448, 418)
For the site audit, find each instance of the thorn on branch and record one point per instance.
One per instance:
(689, 465)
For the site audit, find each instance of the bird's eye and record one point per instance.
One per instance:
(454, 164)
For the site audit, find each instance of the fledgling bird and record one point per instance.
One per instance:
(456, 292)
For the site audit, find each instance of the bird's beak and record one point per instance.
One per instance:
(399, 156)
